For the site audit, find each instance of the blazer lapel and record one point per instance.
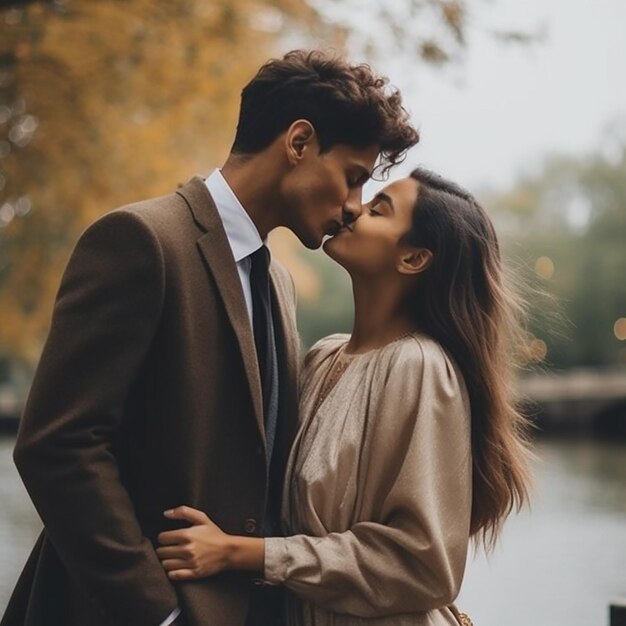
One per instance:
(214, 247)
(288, 340)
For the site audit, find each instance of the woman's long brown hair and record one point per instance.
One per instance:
(463, 301)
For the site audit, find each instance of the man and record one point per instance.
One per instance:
(169, 374)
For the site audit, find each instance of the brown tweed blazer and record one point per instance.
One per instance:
(147, 396)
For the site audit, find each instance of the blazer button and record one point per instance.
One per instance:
(250, 526)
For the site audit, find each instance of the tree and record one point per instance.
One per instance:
(103, 103)
(568, 225)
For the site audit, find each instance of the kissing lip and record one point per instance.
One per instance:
(339, 227)
(334, 228)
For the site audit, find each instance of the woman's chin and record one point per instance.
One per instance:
(340, 248)
(337, 252)
(330, 247)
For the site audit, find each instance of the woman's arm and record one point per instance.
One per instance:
(413, 557)
(407, 551)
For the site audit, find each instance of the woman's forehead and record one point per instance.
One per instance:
(403, 191)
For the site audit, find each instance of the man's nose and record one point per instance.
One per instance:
(352, 207)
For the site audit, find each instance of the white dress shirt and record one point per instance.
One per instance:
(244, 239)
(242, 234)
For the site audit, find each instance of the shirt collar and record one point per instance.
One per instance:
(241, 232)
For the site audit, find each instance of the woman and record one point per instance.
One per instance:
(410, 442)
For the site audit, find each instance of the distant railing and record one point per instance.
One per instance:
(575, 384)
(578, 401)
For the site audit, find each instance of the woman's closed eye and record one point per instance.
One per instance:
(376, 207)
(381, 204)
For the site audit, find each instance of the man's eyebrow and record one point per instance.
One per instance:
(381, 195)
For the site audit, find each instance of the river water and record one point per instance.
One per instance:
(559, 564)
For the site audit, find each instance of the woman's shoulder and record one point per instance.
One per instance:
(416, 349)
(324, 347)
(419, 371)
(419, 352)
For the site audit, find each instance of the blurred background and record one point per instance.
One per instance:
(524, 103)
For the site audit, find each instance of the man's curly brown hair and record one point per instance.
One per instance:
(346, 104)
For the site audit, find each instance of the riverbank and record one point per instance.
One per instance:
(559, 564)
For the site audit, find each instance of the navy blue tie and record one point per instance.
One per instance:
(266, 602)
(265, 342)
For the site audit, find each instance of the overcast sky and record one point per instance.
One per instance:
(505, 108)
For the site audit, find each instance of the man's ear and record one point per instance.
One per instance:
(300, 136)
(414, 260)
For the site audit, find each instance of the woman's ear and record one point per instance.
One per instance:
(414, 260)
(298, 138)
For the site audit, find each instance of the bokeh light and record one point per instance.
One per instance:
(544, 267)
(538, 350)
(619, 328)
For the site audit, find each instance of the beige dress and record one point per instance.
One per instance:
(378, 490)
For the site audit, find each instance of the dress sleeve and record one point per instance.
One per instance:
(410, 556)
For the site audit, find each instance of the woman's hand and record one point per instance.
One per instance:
(205, 549)
(195, 552)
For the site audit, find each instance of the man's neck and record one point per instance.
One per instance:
(255, 190)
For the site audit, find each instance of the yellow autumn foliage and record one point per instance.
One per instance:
(107, 102)
(130, 99)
